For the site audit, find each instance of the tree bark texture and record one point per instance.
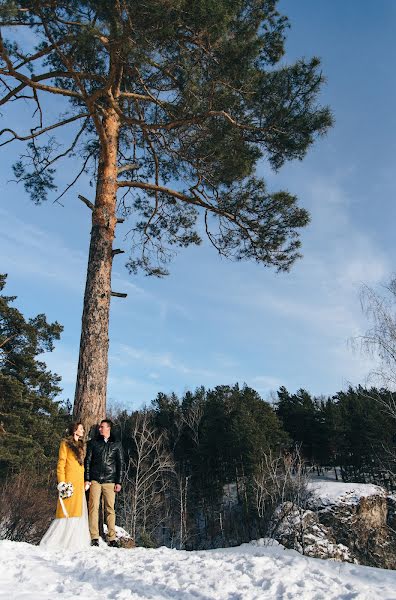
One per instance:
(91, 384)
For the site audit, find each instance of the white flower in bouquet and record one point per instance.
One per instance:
(65, 489)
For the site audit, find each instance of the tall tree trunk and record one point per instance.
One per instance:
(91, 385)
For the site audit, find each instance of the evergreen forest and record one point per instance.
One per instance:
(203, 470)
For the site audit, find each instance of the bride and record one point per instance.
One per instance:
(69, 530)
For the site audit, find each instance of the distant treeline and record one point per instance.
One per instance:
(205, 469)
(210, 467)
(354, 429)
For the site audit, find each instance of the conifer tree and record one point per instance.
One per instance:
(170, 105)
(31, 418)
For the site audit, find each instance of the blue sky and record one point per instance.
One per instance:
(215, 322)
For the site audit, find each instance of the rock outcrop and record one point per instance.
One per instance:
(301, 530)
(348, 522)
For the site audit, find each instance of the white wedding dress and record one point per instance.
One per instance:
(68, 533)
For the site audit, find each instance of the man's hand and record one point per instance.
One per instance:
(87, 485)
(117, 487)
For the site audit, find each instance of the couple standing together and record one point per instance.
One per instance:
(99, 468)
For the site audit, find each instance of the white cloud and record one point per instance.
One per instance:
(63, 361)
(165, 308)
(29, 250)
(322, 290)
(233, 313)
(158, 360)
(266, 383)
(224, 361)
(351, 367)
(130, 392)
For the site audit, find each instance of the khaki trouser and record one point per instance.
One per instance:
(95, 492)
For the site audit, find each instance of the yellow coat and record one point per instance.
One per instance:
(70, 471)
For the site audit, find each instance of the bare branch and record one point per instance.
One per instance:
(134, 96)
(129, 167)
(84, 96)
(159, 188)
(32, 82)
(41, 53)
(71, 147)
(197, 120)
(12, 93)
(210, 236)
(44, 130)
(86, 202)
(75, 179)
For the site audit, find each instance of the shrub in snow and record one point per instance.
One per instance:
(27, 506)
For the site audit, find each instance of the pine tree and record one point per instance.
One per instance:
(31, 418)
(299, 413)
(173, 103)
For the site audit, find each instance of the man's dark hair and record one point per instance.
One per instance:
(108, 421)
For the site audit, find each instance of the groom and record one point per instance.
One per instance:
(104, 470)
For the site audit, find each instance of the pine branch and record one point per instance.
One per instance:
(31, 136)
(175, 194)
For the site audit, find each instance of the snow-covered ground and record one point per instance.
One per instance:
(256, 571)
(333, 493)
(251, 571)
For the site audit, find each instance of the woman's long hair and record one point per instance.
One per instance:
(73, 427)
(77, 447)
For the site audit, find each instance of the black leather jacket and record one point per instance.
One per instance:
(104, 461)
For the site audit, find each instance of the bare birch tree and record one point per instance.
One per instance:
(148, 478)
(279, 480)
(379, 341)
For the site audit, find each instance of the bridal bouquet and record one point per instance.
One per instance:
(65, 490)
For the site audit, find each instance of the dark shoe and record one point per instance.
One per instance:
(114, 544)
(94, 542)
